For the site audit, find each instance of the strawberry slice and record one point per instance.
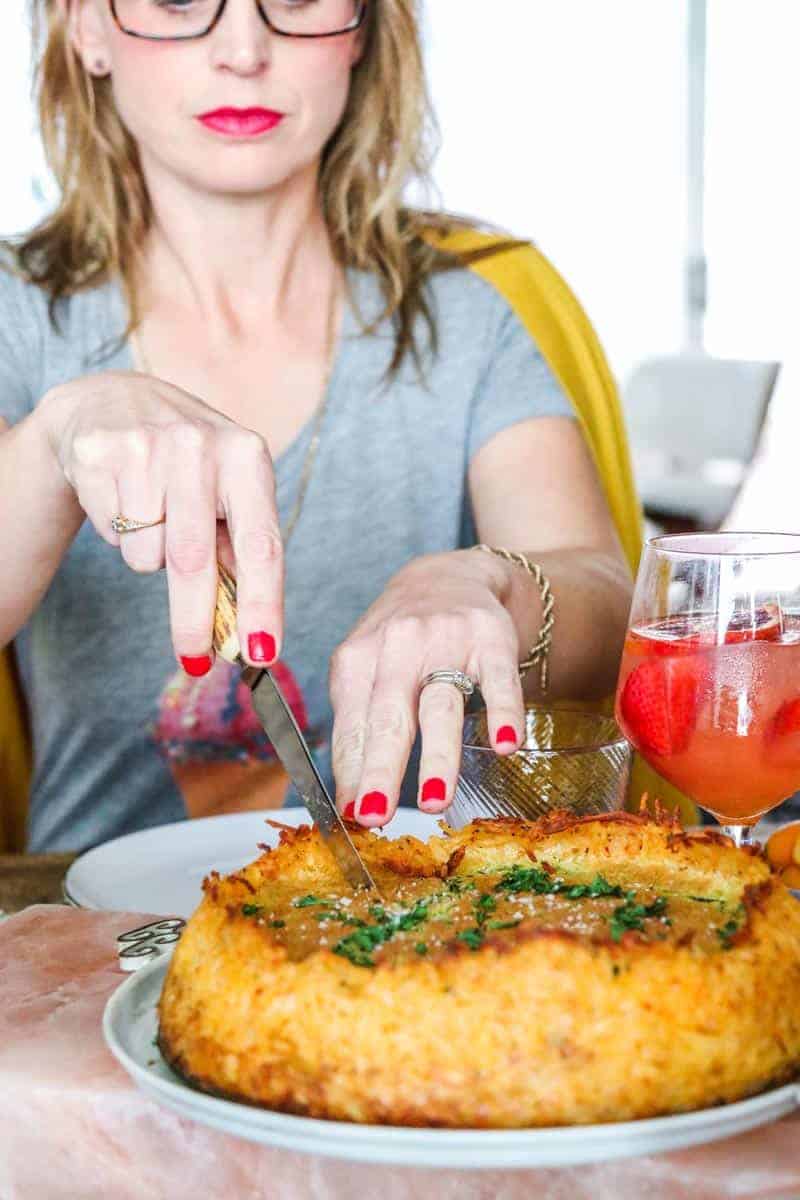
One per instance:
(659, 704)
(762, 625)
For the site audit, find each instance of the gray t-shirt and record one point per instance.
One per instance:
(123, 739)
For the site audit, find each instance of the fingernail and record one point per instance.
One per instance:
(196, 665)
(433, 789)
(261, 647)
(373, 804)
(506, 733)
(349, 811)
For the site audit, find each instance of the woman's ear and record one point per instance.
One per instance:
(87, 26)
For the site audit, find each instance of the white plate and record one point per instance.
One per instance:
(160, 870)
(129, 1026)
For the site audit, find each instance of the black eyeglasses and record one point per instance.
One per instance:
(185, 20)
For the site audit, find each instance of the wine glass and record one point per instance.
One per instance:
(709, 686)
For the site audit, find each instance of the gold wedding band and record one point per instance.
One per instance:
(122, 524)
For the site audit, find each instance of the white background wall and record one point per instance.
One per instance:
(753, 179)
(564, 120)
(22, 158)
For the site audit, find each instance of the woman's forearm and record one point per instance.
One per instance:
(592, 593)
(39, 515)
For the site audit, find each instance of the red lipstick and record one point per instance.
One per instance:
(241, 122)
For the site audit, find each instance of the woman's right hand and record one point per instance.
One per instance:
(133, 444)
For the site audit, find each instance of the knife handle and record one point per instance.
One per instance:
(226, 638)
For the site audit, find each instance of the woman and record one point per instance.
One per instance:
(233, 321)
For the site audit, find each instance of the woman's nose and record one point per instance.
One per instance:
(241, 41)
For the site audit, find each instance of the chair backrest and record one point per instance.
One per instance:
(691, 410)
(563, 333)
(15, 759)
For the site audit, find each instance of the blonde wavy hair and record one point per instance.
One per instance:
(386, 138)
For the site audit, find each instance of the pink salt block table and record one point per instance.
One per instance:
(74, 1127)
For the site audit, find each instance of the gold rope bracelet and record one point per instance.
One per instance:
(540, 651)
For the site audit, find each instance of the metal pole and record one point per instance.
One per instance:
(696, 264)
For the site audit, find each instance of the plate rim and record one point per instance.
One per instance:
(297, 814)
(153, 830)
(388, 1143)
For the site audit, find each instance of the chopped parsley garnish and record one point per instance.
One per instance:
(727, 932)
(277, 923)
(625, 916)
(366, 937)
(484, 905)
(528, 879)
(251, 910)
(336, 914)
(457, 884)
(472, 937)
(412, 919)
(535, 879)
(598, 887)
(359, 945)
(633, 916)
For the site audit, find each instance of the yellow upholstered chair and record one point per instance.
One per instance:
(561, 329)
(15, 760)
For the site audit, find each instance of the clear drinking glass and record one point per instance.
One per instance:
(568, 759)
(709, 687)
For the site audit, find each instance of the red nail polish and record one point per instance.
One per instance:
(506, 733)
(197, 665)
(349, 811)
(433, 789)
(261, 647)
(374, 804)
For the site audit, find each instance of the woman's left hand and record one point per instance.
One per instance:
(441, 612)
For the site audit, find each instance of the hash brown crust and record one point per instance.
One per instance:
(559, 1015)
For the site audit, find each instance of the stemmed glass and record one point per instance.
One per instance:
(709, 687)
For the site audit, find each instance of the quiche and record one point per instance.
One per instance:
(512, 974)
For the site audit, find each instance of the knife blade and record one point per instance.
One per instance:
(287, 740)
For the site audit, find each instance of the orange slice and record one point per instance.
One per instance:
(784, 846)
(761, 625)
(791, 876)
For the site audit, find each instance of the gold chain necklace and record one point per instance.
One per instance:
(316, 420)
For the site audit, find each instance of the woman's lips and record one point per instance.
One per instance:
(241, 122)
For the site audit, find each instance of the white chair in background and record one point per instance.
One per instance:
(694, 422)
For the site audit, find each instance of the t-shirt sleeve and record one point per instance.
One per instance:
(517, 384)
(20, 346)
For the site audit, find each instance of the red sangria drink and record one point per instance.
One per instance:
(709, 686)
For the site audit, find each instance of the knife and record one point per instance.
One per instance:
(288, 742)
